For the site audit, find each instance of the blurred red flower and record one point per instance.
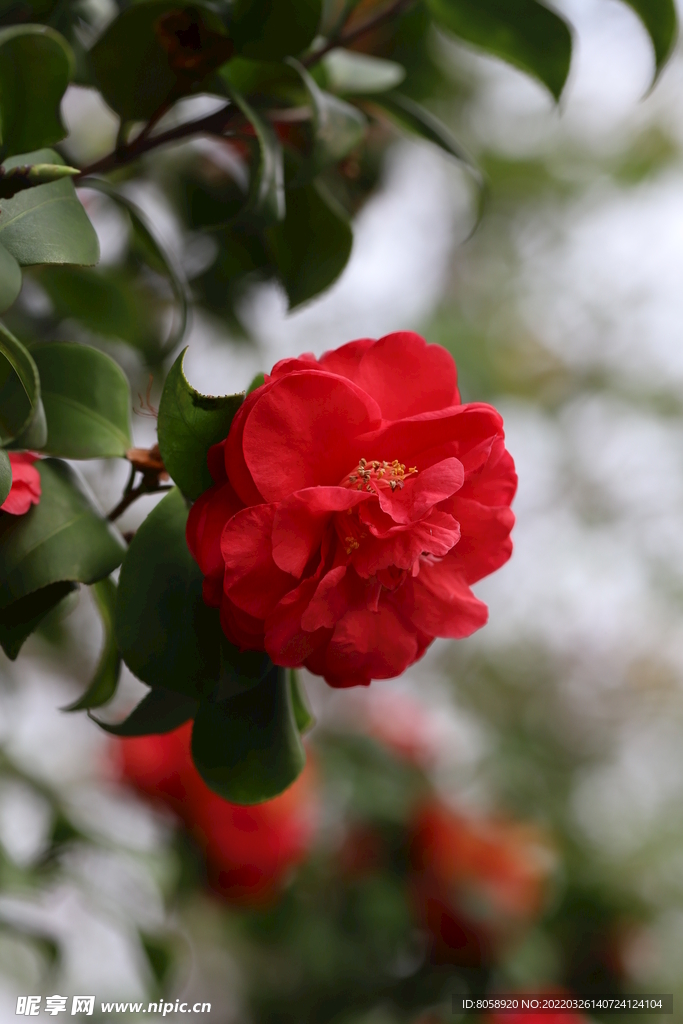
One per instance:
(25, 490)
(356, 500)
(474, 879)
(248, 850)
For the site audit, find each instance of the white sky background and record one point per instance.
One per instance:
(601, 288)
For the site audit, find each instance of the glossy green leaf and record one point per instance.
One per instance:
(312, 245)
(131, 67)
(166, 634)
(660, 19)
(34, 436)
(337, 126)
(349, 72)
(305, 719)
(156, 254)
(47, 224)
(188, 424)
(10, 279)
(64, 537)
(272, 29)
(265, 203)
(105, 680)
(23, 176)
(240, 670)
(248, 748)
(19, 387)
(20, 619)
(5, 475)
(87, 402)
(158, 712)
(523, 32)
(36, 65)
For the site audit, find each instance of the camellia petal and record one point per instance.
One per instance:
(25, 489)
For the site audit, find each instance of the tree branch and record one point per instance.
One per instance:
(351, 35)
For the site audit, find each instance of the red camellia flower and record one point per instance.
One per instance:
(355, 502)
(248, 850)
(25, 490)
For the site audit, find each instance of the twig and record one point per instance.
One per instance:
(133, 495)
(351, 35)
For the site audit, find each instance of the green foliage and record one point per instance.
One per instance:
(21, 618)
(166, 634)
(272, 29)
(86, 397)
(312, 245)
(304, 717)
(337, 126)
(63, 538)
(36, 65)
(420, 121)
(158, 712)
(659, 18)
(347, 72)
(189, 423)
(10, 279)
(5, 475)
(247, 748)
(155, 71)
(19, 387)
(265, 201)
(103, 683)
(47, 224)
(523, 32)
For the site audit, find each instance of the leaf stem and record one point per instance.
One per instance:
(144, 487)
(345, 38)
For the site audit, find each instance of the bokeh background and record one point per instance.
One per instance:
(558, 727)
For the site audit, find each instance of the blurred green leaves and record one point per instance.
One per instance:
(5, 475)
(189, 423)
(273, 29)
(86, 398)
(19, 388)
(103, 683)
(660, 20)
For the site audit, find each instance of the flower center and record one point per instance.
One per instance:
(372, 476)
(381, 474)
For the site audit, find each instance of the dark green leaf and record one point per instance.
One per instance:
(105, 680)
(135, 72)
(23, 176)
(5, 475)
(20, 619)
(409, 114)
(523, 32)
(349, 72)
(337, 126)
(240, 670)
(248, 748)
(36, 65)
(660, 20)
(87, 402)
(159, 711)
(33, 436)
(272, 29)
(189, 423)
(167, 635)
(10, 279)
(19, 387)
(64, 537)
(47, 224)
(265, 202)
(156, 254)
(305, 719)
(312, 245)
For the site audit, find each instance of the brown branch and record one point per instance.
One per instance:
(148, 462)
(351, 35)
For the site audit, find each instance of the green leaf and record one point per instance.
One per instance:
(135, 72)
(305, 719)
(523, 32)
(10, 279)
(248, 748)
(312, 245)
(265, 203)
(20, 619)
(105, 680)
(272, 29)
(188, 424)
(23, 176)
(36, 65)
(87, 402)
(19, 387)
(167, 635)
(64, 537)
(34, 436)
(415, 118)
(240, 670)
(257, 382)
(337, 126)
(5, 475)
(158, 712)
(349, 72)
(47, 224)
(660, 19)
(156, 254)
